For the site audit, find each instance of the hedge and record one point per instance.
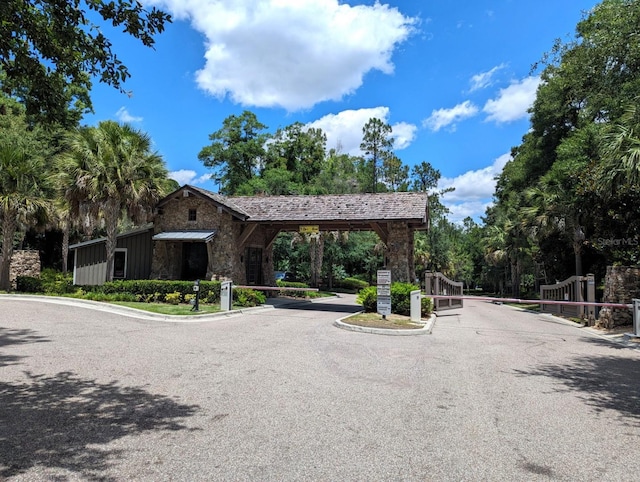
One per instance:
(400, 299)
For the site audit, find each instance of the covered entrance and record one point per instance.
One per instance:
(239, 231)
(194, 261)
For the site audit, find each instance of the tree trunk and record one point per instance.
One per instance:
(316, 252)
(9, 225)
(65, 245)
(111, 217)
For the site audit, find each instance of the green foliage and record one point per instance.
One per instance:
(400, 299)
(235, 151)
(354, 284)
(29, 284)
(294, 284)
(109, 297)
(174, 298)
(111, 171)
(51, 49)
(157, 290)
(377, 145)
(368, 298)
(246, 298)
(55, 282)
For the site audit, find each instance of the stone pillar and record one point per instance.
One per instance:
(399, 255)
(622, 285)
(24, 263)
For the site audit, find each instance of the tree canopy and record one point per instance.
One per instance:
(50, 50)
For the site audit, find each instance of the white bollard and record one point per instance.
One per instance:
(416, 306)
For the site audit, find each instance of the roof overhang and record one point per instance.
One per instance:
(194, 236)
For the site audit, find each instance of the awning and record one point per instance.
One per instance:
(205, 236)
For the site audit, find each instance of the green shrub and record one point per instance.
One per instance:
(57, 283)
(158, 289)
(173, 298)
(426, 306)
(400, 299)
(29, 284)
(368, 298)
(98, 296)
(354, 284)
(294, 294)
(246, 298)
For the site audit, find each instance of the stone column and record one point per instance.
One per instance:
(399, 255)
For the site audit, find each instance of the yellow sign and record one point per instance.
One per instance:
(310, 229)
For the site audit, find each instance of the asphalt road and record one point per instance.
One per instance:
(492, 394)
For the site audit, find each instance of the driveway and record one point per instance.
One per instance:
(281, 394)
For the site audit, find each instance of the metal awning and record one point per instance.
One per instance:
(205, 236)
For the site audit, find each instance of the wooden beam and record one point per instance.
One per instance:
(246, 234)
(270, 237)
(380, 231)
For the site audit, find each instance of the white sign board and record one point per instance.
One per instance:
(384, 305)
(384, 277)
(384, 290)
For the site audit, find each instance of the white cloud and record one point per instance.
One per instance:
(484, 79)
(459, 211)
(473, 190)
(344, 130)
(123, 115)
(474, 185)
(291, 53)
(450, 117)
(512, 102)
(187, 176)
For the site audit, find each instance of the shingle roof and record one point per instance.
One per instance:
(342, 207)
(395, 206)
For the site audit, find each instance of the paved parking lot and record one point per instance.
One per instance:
(282, 394)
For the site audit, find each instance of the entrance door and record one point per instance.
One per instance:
(254, 266)
(194, 261)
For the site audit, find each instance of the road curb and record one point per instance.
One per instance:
(426, 330)
(132, 312)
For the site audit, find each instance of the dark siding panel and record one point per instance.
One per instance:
(139, 250)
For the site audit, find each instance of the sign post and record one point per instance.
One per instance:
(384, 293)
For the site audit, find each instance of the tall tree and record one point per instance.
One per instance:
(299, 150)
(376, 144)
(237, 151)
(51, 49)
(25, 188)
(24, 197)
(115, 173)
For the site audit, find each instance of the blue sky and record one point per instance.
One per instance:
(453, 78)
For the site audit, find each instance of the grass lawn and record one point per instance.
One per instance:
(167, 309)
(375, 320)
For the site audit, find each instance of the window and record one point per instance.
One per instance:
(192, 214)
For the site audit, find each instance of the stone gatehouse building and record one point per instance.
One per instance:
(198, 234)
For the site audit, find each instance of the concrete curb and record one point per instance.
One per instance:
(426, 330)
(131, 312)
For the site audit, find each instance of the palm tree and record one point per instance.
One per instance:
(621, 152)
(111, 170)
(24, 198)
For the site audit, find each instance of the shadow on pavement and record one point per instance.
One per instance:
(329, 306)
(57, 421)
(603, 382)
(17, 337)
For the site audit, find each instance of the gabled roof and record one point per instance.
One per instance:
(343, 208)
(217, 199)
(395, 206)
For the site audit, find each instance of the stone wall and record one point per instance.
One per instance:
(399, 255)
(223, 251)
(621, 285)
(24, 263)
